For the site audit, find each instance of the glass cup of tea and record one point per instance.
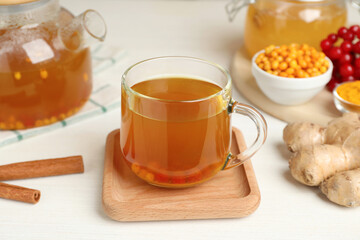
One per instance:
(176, 121)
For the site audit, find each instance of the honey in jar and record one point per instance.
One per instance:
(287, 21)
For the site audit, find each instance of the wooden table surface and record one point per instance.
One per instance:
(70, 207)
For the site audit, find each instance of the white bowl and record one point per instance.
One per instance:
(289, 91)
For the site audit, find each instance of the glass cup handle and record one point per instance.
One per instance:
(261, 126)
(234, 6)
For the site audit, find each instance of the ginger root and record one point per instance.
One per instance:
(313, 164)
(327, 157)
(343, 188)
(301, 134)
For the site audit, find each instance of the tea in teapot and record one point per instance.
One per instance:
(45, 62)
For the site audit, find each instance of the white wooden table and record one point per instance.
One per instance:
(70, 207)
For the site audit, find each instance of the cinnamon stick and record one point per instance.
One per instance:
(17, 193)
(42, 168)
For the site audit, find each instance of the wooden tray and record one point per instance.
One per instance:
(320, 109)
(231, 194)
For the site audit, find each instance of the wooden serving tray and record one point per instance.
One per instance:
(230, 194)
(320, 109)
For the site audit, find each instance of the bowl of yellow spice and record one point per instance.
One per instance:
(347, 97)
(291, 74)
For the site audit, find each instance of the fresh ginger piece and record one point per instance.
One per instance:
(313, 164)
(299, 134)
(351, 146)
(339, 129)
(343, 188)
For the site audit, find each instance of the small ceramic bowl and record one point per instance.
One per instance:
(289, 91)
(343, 105)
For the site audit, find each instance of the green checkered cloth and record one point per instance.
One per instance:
(109, 63)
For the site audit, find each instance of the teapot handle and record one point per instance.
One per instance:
(355, 3)
(234, 6)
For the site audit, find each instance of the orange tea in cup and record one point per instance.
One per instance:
(175, 128)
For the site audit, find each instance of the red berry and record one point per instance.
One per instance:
(325, 44)
(357, 63)
(335, 53)
(345, 58)
(355, 29)
(356, 47)
(349, 36)
(347, 70)
(357, 73)
(342, 31)
(332, 84)
(348, 79)
(346, 46)
(332, 38)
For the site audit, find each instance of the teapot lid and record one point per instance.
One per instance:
(15, 2)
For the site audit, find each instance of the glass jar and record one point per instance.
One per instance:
(290, 21)
(45, 61)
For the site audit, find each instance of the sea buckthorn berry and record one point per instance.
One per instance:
(17, 75)
(274, 65)
(323, 69)
(326, 64)
(283, 66)
(283, 74)
(276, 73)
(290, 71)
(267, 67)
(296, 60)
(293, 55)
(269, 49)
(293, 64)
(274, 54)
(149, 177)
(303, 64)
(44, 74)
(288, 59)
(300, 74)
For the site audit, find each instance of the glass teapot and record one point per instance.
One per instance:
(288, 21)
(45, 61)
